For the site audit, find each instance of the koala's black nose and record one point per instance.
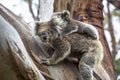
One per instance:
(45, 38)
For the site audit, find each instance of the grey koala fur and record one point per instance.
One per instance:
(73, 45)
(68, 25)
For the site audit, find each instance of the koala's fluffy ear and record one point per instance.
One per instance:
(66, 14)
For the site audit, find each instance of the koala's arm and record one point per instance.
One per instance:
(89, 30)
(80, 27)
(69, 30)
(62, 50)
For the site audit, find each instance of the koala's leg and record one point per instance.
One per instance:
(62, 50)
(86, 66)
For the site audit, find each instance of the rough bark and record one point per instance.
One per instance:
(90, 11)
(35, 50)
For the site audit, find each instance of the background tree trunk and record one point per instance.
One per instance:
(90, 11)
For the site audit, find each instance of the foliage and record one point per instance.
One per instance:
(117, 66)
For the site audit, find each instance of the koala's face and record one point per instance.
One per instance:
(45, 36)
(44, 32)
(47, 33)
(60, 18)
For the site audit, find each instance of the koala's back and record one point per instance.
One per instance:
(83, 44)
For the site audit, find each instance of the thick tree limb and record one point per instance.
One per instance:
(15, 55)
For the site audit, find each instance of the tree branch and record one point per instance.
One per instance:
(38, 10)
(116, 3)
(31, 10)
(111, 30)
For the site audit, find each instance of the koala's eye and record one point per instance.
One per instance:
(43, 34)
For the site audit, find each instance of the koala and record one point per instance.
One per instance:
(74, 45)
(46, 33)
(68, 25)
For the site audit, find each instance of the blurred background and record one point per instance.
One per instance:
(111, 23)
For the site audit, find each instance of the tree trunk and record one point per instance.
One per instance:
(15, 62)
(90, 11)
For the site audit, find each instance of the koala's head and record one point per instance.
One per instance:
(46, 32)
(61, 18)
